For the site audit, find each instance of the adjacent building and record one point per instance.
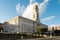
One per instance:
(54, 27)
(1, 27)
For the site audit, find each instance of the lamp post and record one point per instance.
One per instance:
(51, 33)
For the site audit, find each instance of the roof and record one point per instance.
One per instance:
(23, 18)
(28, 19)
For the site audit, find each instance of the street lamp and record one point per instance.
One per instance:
(51, 33)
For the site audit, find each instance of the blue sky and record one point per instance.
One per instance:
(8, 11)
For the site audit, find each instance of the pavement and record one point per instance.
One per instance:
(48, 38)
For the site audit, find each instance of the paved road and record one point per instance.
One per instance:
(54, 38)
(42, 39)
(29, 39)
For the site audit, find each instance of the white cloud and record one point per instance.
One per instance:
(32, 1)
(20, 8)
(42, 6)
(46, 1)
(49, 18)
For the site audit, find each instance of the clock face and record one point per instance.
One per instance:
(34, 16)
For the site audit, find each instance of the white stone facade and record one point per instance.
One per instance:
(19, 24)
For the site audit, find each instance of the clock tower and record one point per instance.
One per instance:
(35, 15)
